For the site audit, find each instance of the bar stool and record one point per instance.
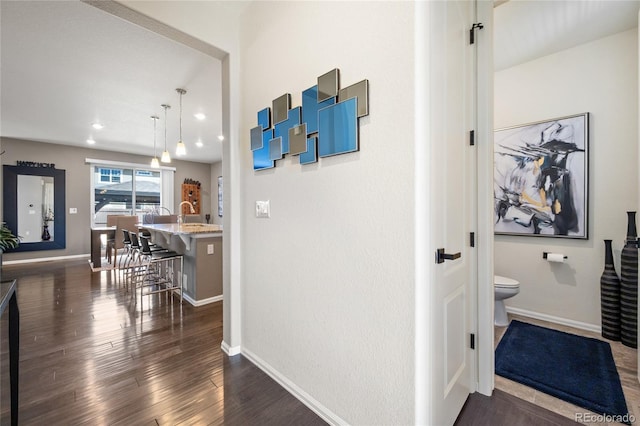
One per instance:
(126, 242)
(158, 271)
(134, 266)
(121, 223)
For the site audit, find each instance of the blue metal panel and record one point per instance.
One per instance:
(261, 158)
(338, 128)
(264, 118)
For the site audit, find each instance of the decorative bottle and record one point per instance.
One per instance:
(46, 236)
(629, 286)
(610, 296)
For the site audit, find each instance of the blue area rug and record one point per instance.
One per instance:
(573, 368)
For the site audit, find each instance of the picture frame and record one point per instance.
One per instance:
(541, 178)
(219, 196)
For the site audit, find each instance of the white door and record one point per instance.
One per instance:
(454, 207)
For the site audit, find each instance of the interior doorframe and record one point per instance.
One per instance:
(231, 162)
(484, 144)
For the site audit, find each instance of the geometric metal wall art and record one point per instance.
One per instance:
(326, 124)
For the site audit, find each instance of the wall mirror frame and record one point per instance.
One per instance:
(10, 203)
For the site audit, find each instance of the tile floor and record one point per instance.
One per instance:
(626, 360)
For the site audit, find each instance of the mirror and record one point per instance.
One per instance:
(34, 206)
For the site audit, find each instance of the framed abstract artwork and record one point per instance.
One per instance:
(219, 196)
(541, 178)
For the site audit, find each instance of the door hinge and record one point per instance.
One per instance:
(472, 341)
(477, 25)
(472, 137)
(472, 239)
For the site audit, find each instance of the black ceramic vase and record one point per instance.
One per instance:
(629, 286)
(610, 296)
(45, 233)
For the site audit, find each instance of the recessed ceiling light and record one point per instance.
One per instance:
(91, 142)
(97, 126)
(221, 137)
(199, 144)
(200, 116)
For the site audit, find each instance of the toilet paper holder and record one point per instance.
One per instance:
(544, 255)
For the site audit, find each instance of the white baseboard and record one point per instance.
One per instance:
(229, 350)
(315, 406)
(554, 319)
(45, 259)
(202, 301)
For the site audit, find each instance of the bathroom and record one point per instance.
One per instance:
(598, 76)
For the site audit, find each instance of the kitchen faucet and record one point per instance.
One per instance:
(181, 216)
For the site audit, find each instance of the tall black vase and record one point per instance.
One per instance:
(629, 286)
(610, 296)
(45, 233)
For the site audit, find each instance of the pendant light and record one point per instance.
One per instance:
(166, 158)
(181, 149)
(154, 161)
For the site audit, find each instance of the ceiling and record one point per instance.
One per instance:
(67, 65)
(526, 30)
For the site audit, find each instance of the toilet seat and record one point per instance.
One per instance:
(504, 282)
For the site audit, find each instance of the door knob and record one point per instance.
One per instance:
(441, 256)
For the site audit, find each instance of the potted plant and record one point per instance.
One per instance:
(7, 239)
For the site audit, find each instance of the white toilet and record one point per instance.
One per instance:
(503, 288)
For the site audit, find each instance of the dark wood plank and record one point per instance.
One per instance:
(502, 409)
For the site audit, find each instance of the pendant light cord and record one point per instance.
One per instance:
(165, 127)
(155, 152)
(181, 116)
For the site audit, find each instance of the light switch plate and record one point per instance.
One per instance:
(263, 209)
(73, 210)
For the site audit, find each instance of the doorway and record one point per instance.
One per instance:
(548, 291)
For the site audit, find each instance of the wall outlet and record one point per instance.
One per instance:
(209, 248)
(73, 210)
(263, 209)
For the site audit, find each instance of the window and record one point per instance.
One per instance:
(128, 191)
(110, 175)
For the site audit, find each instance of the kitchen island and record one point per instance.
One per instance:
(201, 246)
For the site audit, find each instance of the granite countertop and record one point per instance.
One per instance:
(185, 228)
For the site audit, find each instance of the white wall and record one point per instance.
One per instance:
(328, 279)
(600, 78)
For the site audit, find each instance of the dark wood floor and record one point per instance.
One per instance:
(89, 356)
(502, 409)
